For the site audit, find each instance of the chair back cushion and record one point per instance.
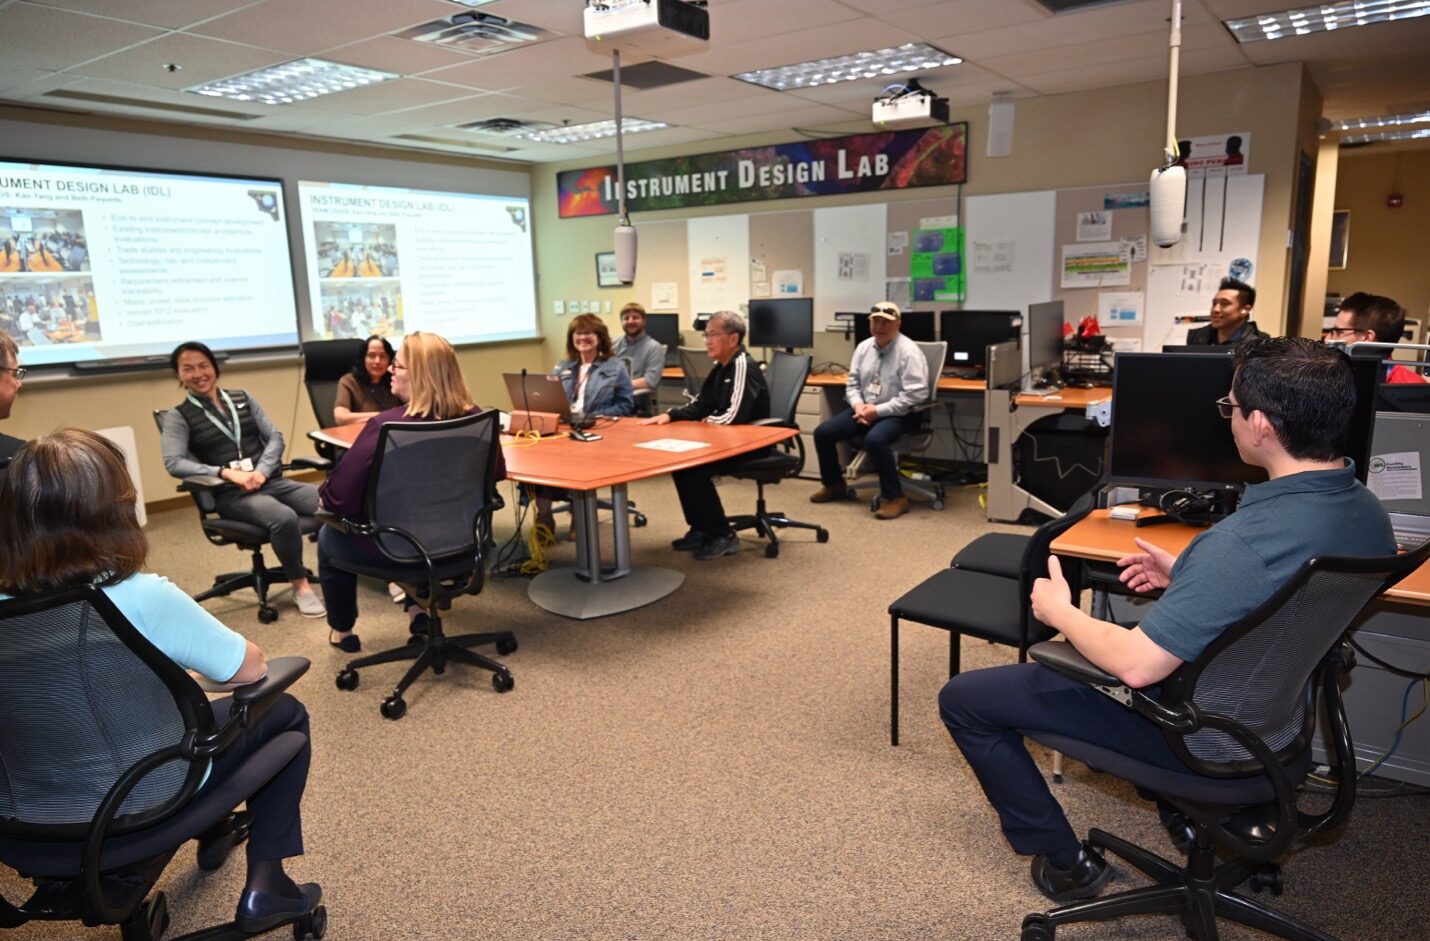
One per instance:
(324, 363)
(84, 697)
(936, 354)
(696, 364)
(785, 375)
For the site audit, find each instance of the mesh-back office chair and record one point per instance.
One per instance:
(991, 605)
(429, 503)
(644, 398)
(1241, 718)
(325, 362)
(106, 744)
(248, 537)
(696, 365)
(785, 377)
(914, 442)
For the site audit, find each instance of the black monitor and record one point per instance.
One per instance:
(782, 322)
(918, 325)
(1227, 348)
(665, 329)
(969, 333)
(1167, 432)
(1043, 349)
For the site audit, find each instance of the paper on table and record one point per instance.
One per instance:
(673, 445)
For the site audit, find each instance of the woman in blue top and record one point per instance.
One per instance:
(67, 503)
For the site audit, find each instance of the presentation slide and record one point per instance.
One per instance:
(103, 264)
(391, 261)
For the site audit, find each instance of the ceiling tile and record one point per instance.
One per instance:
(304, 27)
(817, 43)
(564, 18)
(395, 95)
(14, 78)
(468, 109)
(964, 16)
(395, 54)
(701, 113)
(171, 14)
(202, 60)
(42, 38)
(526, 65)
(742, 20)
(808, 116)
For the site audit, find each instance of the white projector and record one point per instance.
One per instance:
(656, 28)
(916, 109)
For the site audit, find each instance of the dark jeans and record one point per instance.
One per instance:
(879, 441)
(276, 507)
(277, 826)
(700, 501)
(984, 708)
(339, 587)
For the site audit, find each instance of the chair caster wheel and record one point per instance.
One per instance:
(1037, 927)
(348, 679)
(506, 646)
(821, 535)
(639, 520)
(503, 682)
(873, 504)
(267, 615)
(772, 551)
(1261, 881)
(393, 707)
(1058, 778)
(312, 925)
(150, 919)
(937, 504)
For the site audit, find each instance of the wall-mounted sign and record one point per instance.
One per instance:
(859, 163)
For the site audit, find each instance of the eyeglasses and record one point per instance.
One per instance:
(1342, 331)
(396, 366)
(19, 371)
(1226, 406)
(714, 334)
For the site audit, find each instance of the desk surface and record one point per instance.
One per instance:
(1064, 398)
(1102, 539)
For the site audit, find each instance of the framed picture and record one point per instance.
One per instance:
(1340, 238)
(606, 270)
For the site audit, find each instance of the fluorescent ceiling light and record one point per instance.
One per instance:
(1384, 120)
(910, 57)
(470, 3)
(1323, 18)
(293, 81)
(571, 133)
(1419, 133)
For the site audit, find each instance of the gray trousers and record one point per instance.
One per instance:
(276, 507)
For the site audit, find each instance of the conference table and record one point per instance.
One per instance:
(627, 451)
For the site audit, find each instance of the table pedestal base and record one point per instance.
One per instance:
(561, 591)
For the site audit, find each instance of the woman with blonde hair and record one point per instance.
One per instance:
(427, 377)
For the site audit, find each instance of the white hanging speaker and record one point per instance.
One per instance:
(626, 252)
(1169, 199)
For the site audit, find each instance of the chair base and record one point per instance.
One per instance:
(434, 652)
(259, 578)
(931, 491)
(1198, 894)
(765, 521)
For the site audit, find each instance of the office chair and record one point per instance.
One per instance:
(107, 743)
(644, 398)
(992, 605)
(696, 365)
(248, 537)
(913, 443)
(325, 362)
(429, 502)
(1241, 718)
(785, 377)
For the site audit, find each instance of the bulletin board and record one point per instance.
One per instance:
(1103, 221)
(1010, 249)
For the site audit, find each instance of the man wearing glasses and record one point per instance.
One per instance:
(888, 378)
(1371, 318)
(1290, 407)
(11, 372)
(1230, 316)
(733, 394)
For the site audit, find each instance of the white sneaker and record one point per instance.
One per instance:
(397, 592)
(309, 604)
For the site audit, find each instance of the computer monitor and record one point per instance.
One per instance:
(665, 329)
(1043, 344)
(969, 333)
(918, 325)
(1168, 434)
(782, 322)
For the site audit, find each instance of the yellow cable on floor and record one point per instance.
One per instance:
(541, 540)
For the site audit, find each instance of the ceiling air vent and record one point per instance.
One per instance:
(1073, 6)
(476, 33)
(506, 127)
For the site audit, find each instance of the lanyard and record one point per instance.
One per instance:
(235, 433)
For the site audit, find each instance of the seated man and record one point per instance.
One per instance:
(1371, 318)
(733, 394)
(1289, 406)
(11, 372)
(646, 353)
(888, 378)
(1231, 316)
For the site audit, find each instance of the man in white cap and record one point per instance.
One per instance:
(888, 378)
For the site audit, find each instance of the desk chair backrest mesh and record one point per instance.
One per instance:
(325, 362)
(916, 441)
(785, 376)
(695, 364)
(84, 697)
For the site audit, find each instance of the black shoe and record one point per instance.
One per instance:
(1082, 880)
(350, 643)
(716, 546)
(261, 911)
(419, 625)
(690, 542)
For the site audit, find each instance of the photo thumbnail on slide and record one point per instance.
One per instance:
(354, 250)
(40, 310)
(42, 241)
(361, 308)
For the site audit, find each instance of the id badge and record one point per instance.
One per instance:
(245, 465)
(875, 387)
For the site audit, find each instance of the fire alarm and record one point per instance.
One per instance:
(1394, 201)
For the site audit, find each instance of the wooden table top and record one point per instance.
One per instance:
(1065, 398)
(1102, 539)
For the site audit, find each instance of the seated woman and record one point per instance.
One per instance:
(367, 390)
(427, 376)
(597, 384)
(69, 507)
(224, 433)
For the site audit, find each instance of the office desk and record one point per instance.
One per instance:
(1006, 416)
(1395, 628)
(589, 589)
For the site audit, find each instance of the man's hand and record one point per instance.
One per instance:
(247, 481)
(1147, 570)
(865, 414)
(1051, 596)
(662, 419)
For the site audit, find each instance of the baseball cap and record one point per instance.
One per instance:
(886, 309)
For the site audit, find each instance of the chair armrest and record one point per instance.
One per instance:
(774, 423)
(201, 483)
(1063, 658)
(341, 523)
(309, 463)
(283, 672)
(249, 703)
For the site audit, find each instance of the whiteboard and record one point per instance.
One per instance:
(718, 254)
(849, 259)
(1023, 224)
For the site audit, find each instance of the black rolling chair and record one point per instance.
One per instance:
(1241, 718)
(246, 536)
(324, 363)
(429, 503)
(991, 605)
(785, 377)
(914, 442)
(695, 366)
(107, 742)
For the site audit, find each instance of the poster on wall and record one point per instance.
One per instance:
(1216, 155)
(936, 265)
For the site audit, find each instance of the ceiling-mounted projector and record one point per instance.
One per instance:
(655, 28)
(909, 105)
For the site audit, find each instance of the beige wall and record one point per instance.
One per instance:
(1386, 252)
